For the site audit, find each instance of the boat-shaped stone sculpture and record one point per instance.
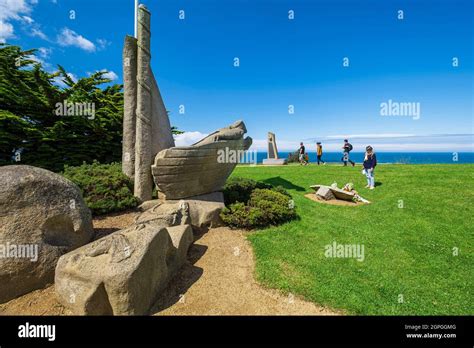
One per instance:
(186, 171)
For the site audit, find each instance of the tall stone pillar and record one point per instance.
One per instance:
(272, 154)
(143, 156)
(272, 146)
(130, 105)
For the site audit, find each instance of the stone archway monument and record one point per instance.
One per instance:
(272, 154)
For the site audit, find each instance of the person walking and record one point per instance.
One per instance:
(345, 154)
(319, 152)
(302, 155)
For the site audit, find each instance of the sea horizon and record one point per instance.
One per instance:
(387, 157)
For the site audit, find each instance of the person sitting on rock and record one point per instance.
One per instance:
(370, 161)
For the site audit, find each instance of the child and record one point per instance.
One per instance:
(370, 161)
(319, 152)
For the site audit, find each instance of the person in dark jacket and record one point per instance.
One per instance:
(370, 161)
(302, 155)
(346, 148)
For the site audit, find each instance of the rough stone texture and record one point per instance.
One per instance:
(123, 273)
(143, 157)
(341, 194)
(337, 192)
(162, 137)
(272, 147)
(130, 105)
(325, 193)
(203, 211)
(43, 209)
(166, 214)
(153, 129)
(149, 204)
(183, 172)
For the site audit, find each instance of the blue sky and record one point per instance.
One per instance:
(283, 62)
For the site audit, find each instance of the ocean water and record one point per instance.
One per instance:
(389, 157)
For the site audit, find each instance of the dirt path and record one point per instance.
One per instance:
(217, 280)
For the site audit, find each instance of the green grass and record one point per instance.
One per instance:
(408, 251)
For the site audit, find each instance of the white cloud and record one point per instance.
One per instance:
(68, 37)
(36, 59)
(282, 145)
(110, 75)
(103, 43)
(366, 136)
(6, 31)
(38, 33)
(188, 138)
(58, 80)
(12, 10)
(27, 19)
(380, 142)
(44, 52)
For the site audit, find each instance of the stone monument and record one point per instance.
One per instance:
(124, 273)
(272, 154)
(146, 126)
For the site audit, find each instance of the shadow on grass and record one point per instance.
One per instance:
(278, 181)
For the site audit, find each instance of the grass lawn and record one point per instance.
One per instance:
(408, 251)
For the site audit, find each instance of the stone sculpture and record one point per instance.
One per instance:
(272, 154)
(187, 171)
(146, 126)
(42, 216)
(122, 273)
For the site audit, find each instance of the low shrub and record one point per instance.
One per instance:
(104, 187)
(253, 206)
(239, 189)
(293, 157)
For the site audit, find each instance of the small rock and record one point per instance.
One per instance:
(325, 193)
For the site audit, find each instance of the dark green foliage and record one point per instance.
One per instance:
(251, 204)
(104, 187)
(30, 125)
(266, 207)
(239, 189)
(28, 122)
